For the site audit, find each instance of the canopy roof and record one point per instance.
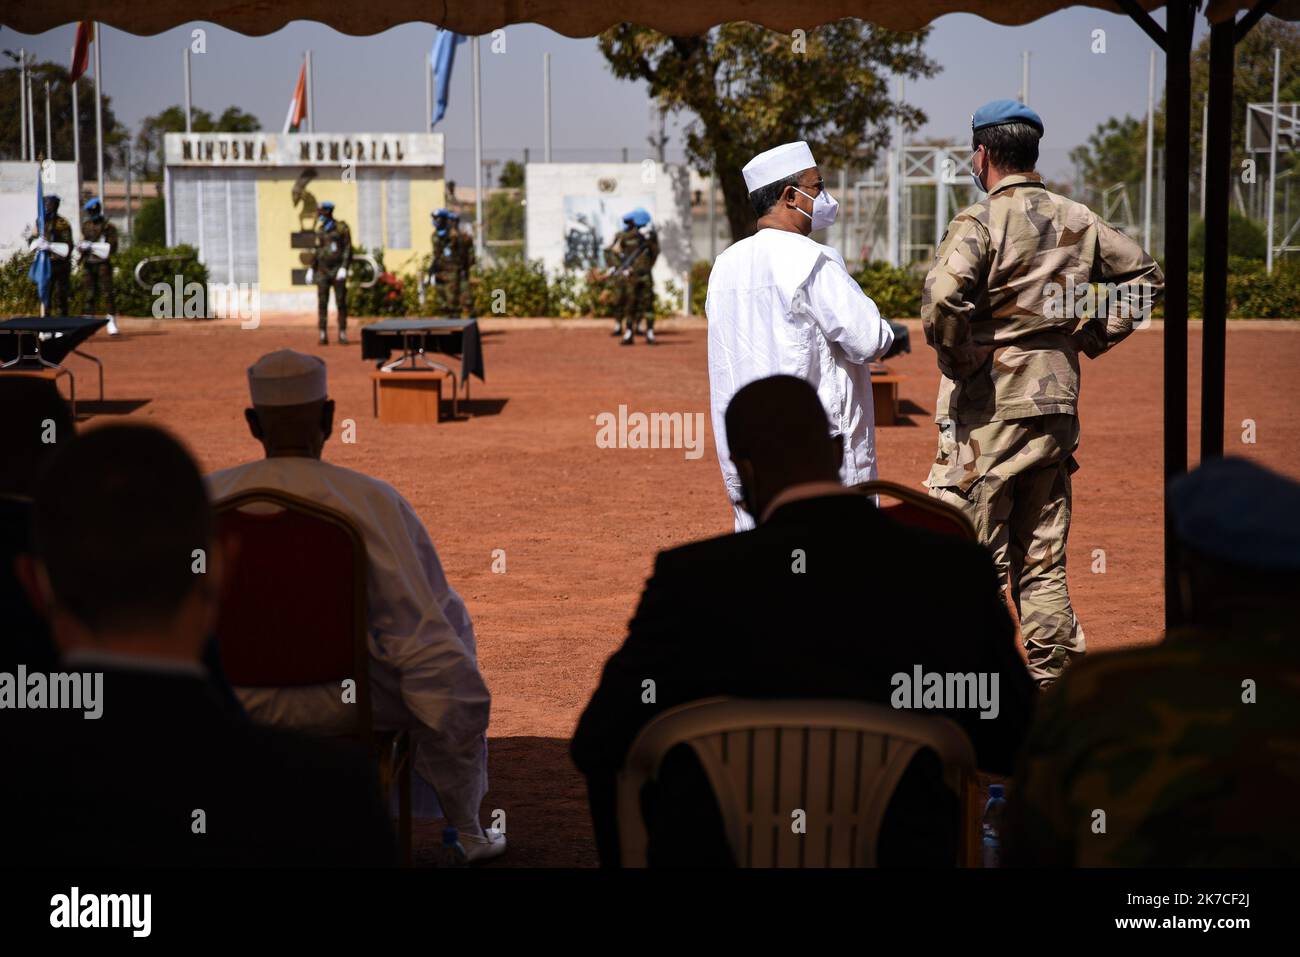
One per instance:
(573, 18)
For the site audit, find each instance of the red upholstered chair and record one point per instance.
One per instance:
(293, 614)
(918, 509)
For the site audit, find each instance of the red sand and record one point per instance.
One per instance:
(580, 525)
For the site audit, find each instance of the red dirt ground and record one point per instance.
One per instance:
(580, 525)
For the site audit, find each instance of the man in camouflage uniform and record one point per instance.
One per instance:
(999, 308)
(97, 271)
(329, 269)
(57, 230)
(1183, 753)
(634, 252)
(453, 256)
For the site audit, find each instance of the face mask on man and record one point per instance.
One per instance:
(824, 209)
(975, 177)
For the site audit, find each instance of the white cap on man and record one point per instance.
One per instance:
(287, 378)
(777, 163)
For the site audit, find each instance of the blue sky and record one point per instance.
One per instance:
(376, 84)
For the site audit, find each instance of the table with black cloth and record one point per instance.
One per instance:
(22, 349)
(413, 338)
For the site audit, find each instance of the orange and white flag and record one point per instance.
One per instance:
(298, 104)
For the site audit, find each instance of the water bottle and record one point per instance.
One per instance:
(453, 852)
(994, 812)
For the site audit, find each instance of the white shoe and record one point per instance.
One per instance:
(491, 844)
(112, 326)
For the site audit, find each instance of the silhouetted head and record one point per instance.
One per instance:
(1238, 527)
(779, 436)
(34, 423)
(126, 560)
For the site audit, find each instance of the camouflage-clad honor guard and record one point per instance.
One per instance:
(453, 256)
(329, 269)
(56, 237)
(1186, 747)
(633, 253)
(999, 308)
(97, 248)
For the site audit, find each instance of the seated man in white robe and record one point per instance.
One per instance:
(424, 670)
(781, 303)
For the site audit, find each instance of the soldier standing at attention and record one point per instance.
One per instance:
(999, 310)
(97, 269)
(635, 249)
(57, 230)
(453, 255)
(329, 267)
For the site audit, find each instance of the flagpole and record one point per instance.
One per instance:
(546, 107)
(311, 96)
(99, 122)
(428, 93)
(49, 137)
(189, 105)
(478, 157)
(31, 113)
(76, 139)
(22, 104)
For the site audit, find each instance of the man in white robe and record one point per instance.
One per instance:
(779, 302)
(424, 669)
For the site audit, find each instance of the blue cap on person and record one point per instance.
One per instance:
(327, 207)
(92, 204)
(1235, 511)
(1002, 112)
(443, 212)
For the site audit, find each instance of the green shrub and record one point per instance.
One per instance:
(150, 223)
(896, 290)
(18, 293)
(1247, 240)
(700, 270)
(524, 285)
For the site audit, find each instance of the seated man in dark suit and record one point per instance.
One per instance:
(127, 757)
(826, 598)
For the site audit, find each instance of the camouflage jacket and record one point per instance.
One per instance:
(333, 248)
(628, 242)
(1003, 301)
(1156, 756)
(102, 231)
(58, 230)
(453, 254)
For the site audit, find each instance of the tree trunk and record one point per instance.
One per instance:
(735, 197)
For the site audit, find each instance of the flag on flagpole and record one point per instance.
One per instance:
(81, 50)
(40, 270)
(443, 56)
(298, 103)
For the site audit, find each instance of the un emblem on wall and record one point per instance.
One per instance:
(607, 184)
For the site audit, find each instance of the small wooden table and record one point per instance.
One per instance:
(408, 397)
(884, 393)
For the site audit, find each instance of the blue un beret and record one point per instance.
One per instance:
(1001, 112)
(1235, 511)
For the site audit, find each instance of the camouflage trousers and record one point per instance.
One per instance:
(1012, 480)
(452, 296)
(97, 280)
(324, 283)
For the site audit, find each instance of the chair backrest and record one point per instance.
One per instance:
(293, 609)
(837, 761)
(919, 510)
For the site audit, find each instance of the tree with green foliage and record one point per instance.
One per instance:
(512, 175)
(748, 89)
(115, 134)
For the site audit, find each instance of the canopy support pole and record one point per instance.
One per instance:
(1214, 327)
(1178, 91)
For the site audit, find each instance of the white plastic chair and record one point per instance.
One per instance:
(837, 761)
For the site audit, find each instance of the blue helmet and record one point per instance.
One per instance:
(443, 213)
(92, 204)
(326, 207)
(638, 217)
